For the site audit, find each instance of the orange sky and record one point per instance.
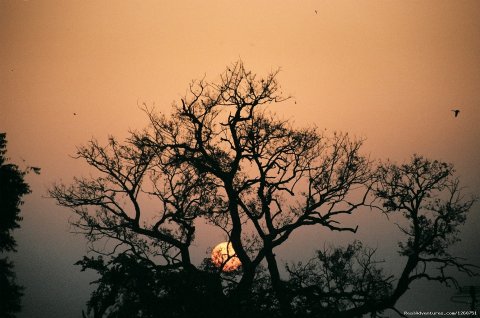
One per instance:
(389, 71)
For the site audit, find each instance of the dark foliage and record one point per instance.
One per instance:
(12, 189)
(10, 291)
(336, 280)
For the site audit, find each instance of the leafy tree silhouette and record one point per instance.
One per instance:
(12, 189)
(224, 158)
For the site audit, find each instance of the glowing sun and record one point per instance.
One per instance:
(223, 255)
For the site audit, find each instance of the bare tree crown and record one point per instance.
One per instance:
(224, 157)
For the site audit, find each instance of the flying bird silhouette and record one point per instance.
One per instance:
(455, 112)
(74, 114)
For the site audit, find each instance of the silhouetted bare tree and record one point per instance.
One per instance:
(223, 157)
(348, 283)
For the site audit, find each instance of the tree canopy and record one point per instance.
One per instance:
(224, 157)
(12, 188)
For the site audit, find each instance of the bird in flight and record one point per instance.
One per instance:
(74, 114)
(455, 112)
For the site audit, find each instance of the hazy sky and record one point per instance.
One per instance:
(389, 71)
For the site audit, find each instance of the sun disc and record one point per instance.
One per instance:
(223, 255)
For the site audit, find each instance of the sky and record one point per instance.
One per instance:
(387, 71)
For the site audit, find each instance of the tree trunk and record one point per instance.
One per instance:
(277, 284)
